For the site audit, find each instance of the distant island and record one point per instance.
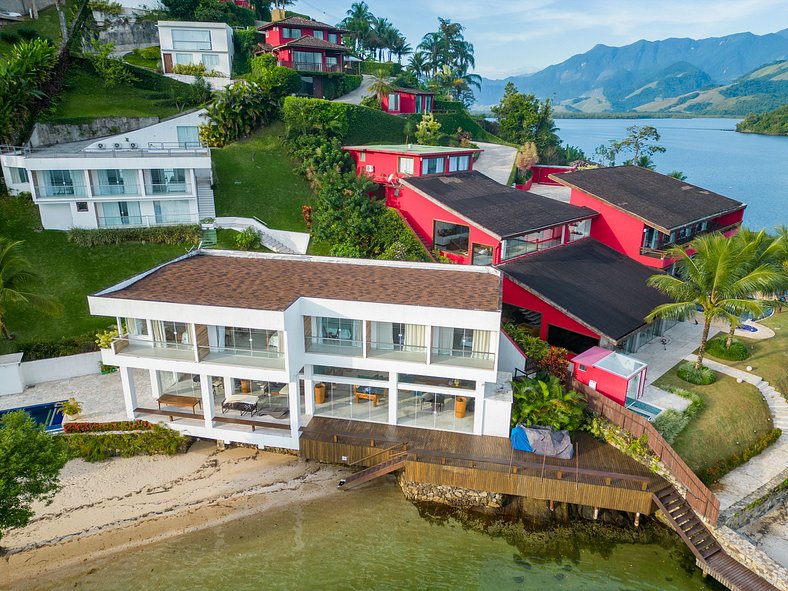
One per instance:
(771, 123)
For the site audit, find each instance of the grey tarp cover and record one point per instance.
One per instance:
(544, 441)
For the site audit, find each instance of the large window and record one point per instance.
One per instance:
(532, 242)
(115, 182)
(432, 165)
(183, 59)
(188, 136)
(167, 180)
(390, 339)
(457, 163)
(394, 101)
(290, 33)
(319, 34)
(171, 335)
(120, 213)
(578, 230)
(18, 175)
(461, 342)
(210, 60)
(196, 39)
(308, 60)
(176, 211)
(332, 38)
(482, 255)
(62, 183)
(254, 342)
(405, 165)
(450, 237)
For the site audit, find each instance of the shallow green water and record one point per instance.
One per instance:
(372, 538)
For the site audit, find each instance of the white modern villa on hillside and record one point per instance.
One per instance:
(190, 43)
(157, 175)
(249, 347)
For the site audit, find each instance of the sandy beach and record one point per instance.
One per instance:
(106, 507)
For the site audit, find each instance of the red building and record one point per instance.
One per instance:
(618, 377)
(304, 45)
(407, 101)
(388, 164)
(642, 213)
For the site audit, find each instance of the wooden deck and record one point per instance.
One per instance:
(598, 476)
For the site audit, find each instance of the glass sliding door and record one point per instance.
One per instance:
(435, 410)
(120, 213)
(167, 180)
(172, 212)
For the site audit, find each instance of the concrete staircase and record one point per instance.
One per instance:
(205, 204)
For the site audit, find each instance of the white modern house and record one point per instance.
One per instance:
(186, 42)
(248, 347)
(157, 175)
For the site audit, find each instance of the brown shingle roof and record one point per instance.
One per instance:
(313, 43)
(659, 200)
(275, 282)
(297, 21)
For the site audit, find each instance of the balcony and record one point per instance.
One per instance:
(410, 353)
(463, 358)
(114, 190)
(662, 251)
(168, 188)
(146, 220)
(334, 346)
(60, 191)
(131, 347)
(312, 67)
(268, 359)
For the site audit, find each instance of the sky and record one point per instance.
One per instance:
(521, 36)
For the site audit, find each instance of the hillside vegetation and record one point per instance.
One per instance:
(772, 123)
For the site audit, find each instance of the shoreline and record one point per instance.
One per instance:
(231, 485)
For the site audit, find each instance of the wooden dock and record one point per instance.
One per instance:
(598, 476)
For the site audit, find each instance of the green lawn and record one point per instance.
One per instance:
(47, 25)
(85, 97)
(734, 416)
(769, 358)
(69, 273)
(256, 178)
(137, 59)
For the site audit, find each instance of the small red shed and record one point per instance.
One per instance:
(619, 377)
(408, 100)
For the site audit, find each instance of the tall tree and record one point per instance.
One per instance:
(18, 285)
(32, 460)
(640, 144)
(718, 279)
(358, 23)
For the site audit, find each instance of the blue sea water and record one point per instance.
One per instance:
(748, 167)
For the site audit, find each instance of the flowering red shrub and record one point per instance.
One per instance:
(555, 361)
(111, 426)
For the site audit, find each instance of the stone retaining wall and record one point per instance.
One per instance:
(449, 495)
(757, 504)
(50, 134)
(756, 560)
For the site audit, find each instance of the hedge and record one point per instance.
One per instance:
(671, 422)
(450, 122)
(138, 425)
(736, 352)
(370, 126)
(716, 471)
(155, 235)
(373, 68)
(85, 343)
(700, 377)
(94, 448)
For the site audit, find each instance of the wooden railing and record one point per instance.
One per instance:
(700, 498)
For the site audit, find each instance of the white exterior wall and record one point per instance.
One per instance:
(162, 132)
(221, 43)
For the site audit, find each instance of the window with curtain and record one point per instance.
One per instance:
(168, 180)
(18, 175)
(184, 59)
(210, 60)
(137, 327)
(405, 165)
(120, 213)
(394, 101)
(332, 38)
(176, 211)
(319, 34)
(58, 182)
(255, 342)
(427, 103)
(116, 182)
(419, 103)
(432, 165)
(457, 163)
(188, 136)
(170, 334)
(197, 39)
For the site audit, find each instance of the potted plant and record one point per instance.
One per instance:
(71, 408)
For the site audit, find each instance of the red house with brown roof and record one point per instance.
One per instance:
(304, 44)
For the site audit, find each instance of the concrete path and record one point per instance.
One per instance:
(555, 192)
(280, 241)
(745, 479)
(496, 161)
(354, 97)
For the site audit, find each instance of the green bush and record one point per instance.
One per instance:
(352, 82)
(149, 53)
(65, 346)
(247, 239)
(736, 352)
(700, 377)
(713, 473)
(10, 37)
(387, 69)
(195, 70)
(111, 8)
(369, 126)
(671, 422)
(98, 447)
(545, 402)
(189, 234)
(397, 239)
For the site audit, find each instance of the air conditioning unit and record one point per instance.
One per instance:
(101, 146)
(369, 168)
(117, 146)
(133, 146)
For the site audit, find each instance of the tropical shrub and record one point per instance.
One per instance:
(548, 358)
(736, 352)
(247, 239)
(65, 346)
(104, 338)
(110, 69)
(547, 403)
(188, 234)
(195, 70)
(137, 425)
(101, 446)
(701, 377)
(428, 130)
(71, 407)
(110, 8)
(237, 111)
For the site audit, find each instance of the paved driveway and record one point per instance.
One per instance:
(496, 161)
(354, 97)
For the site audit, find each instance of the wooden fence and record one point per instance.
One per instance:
(700, 498)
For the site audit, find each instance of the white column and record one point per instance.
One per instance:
(393, 397)
(206, 389)
(129, 391)
(155, 383)
(429, 343)
(309, 390)
(478, 409)
(364, 351)
(295, 409)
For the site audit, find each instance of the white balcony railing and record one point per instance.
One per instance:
(146, 220)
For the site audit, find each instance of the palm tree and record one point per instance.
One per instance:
(677, 174)
(401, 47)
(17, 282)
(380, 86)
(419, 65)
(717, 279)
(357, 21)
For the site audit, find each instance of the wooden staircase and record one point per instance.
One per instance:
(710, 556)
(394, 463)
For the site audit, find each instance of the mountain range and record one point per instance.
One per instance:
(731, 75)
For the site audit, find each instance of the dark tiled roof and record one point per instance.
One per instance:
(411, 90)
(659, 200)
(297, 21)
(600, 287)
(274, 283)
(500, 210)
(313, 43)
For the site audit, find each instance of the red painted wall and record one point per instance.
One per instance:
(386, 163)
(407, 103)
(420, 213)
(542, 172)
(274, 34)
(609, 384)
(517, 296)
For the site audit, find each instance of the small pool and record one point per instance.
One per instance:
(644, 409)
(48, 414)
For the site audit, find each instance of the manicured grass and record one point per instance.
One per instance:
(47, 25)
(734, 416)
(69, 273)
(226, 241)
(85, 97)
(768, 357)
(137, 59)
(255, 177)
